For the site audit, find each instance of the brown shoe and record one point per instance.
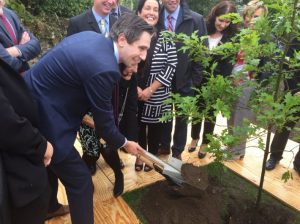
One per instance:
(63, 210)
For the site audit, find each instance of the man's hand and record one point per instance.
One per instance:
(13, 52)
(25, 38)
(133, 148)
(48, 154)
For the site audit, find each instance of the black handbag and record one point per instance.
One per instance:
(4, 200)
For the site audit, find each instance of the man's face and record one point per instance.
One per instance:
(132, 54)
(2, 3)
(104, 7)
(171, 5)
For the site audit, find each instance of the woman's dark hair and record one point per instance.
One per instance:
(141, 4)
(220, 9)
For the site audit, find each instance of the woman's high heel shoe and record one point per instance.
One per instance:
(192, 146)
(138, 166)
(201, 154)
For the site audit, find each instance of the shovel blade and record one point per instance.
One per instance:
(172, 169)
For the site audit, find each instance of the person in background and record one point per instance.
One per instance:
(77, 75)
(281, 136)
(119, 10)
(98, 18)
(154, 83)
(241, 110)
(219, 31)
(175, 16)
(17, 46)
(24, 153)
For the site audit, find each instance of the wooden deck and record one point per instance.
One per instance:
(109, 210)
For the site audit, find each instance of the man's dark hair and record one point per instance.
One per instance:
(132, 26)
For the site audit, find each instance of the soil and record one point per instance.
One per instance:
(222, 199)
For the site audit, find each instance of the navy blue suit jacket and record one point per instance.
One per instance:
(29, 50)
(77, 75)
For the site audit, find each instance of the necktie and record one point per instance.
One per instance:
(170, 25)
(103, 29)
(9, 28)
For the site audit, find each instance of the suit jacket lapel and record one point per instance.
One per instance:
(179, 18)
(112, 20)
(92, 21)
(3, 29)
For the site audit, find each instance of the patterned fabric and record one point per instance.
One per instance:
(89, 140)
(163, 67)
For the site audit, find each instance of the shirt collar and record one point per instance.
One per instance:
(174, 14)
(99, 17)
(116, 51)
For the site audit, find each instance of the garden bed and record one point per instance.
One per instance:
(227, 199)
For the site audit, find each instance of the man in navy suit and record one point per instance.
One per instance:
(17, 46)
(78, 75)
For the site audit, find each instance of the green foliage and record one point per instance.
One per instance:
(66, 8)
(265, 46)
(286, 176)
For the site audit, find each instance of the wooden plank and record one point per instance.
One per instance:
(110, 210)
(113, 211)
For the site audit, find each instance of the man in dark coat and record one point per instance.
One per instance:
(23, 150)
(17, 46)
(188, 74)
(78, 75)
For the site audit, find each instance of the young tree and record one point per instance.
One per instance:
(271, 55)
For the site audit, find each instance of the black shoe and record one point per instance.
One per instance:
(90, 161)
(193, 148)
(271, 163)
(119, 185)
(201, 155)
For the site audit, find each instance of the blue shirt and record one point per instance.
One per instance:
(174, 17)
(99, 18)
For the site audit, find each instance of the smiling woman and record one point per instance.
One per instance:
(154, 83)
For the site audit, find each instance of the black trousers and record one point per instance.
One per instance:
(279, 142)
(35, 212)
(151, 136)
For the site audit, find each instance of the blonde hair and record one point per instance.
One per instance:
(252, 6)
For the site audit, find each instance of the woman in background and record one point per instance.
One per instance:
(154, 83)
(219, 31)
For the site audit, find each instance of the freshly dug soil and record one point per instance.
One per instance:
(228, 200)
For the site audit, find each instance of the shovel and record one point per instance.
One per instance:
(171, 169)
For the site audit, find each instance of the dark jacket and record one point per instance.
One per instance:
(188, 21)
(128, 124)
(86, 22)
(21, 145)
